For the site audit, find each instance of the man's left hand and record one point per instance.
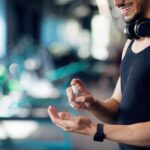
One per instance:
(70, 123)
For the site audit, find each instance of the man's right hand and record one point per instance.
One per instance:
(83, 100)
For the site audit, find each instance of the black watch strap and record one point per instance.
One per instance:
(99, 135)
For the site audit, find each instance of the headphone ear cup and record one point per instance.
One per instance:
(129, 31)
(137, 28)
(142, 28)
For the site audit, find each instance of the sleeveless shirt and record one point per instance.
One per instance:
(135, 88)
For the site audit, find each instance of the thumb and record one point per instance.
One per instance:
(80, 86)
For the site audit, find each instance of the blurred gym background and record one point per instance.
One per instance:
(43, 45)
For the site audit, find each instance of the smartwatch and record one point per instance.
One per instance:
(99, 135)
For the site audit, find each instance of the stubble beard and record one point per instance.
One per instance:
(140, 13)
(133, 19)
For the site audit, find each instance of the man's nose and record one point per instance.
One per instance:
(119, 2)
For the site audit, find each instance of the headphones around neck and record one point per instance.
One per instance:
(138, 29)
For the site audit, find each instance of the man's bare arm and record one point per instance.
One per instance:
(135, 134)
(106, 111)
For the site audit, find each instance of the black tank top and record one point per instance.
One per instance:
(135, 87)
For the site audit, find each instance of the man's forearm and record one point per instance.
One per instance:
(105, 111)
(135, 134)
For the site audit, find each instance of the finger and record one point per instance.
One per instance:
(80, 86)
(57, 120)
(76, 80)
(53, 113)
(75, 105)
(70, 94)
(82, 89)
(72, 98)
(83, 99)
(66, 116)
(54, 116)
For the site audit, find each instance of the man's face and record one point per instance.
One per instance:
(130, 9)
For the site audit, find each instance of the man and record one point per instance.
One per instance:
(127, 112)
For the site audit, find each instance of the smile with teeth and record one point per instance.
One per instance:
(125, 9)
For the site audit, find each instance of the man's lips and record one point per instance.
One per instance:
(125, 9)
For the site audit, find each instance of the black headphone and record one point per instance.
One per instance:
(140, 28)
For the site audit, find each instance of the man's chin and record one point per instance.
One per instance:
(128, 20)
(131, 19)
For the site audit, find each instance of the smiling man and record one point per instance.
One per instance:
(126, 114)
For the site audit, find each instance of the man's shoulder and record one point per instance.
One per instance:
(125, 48)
